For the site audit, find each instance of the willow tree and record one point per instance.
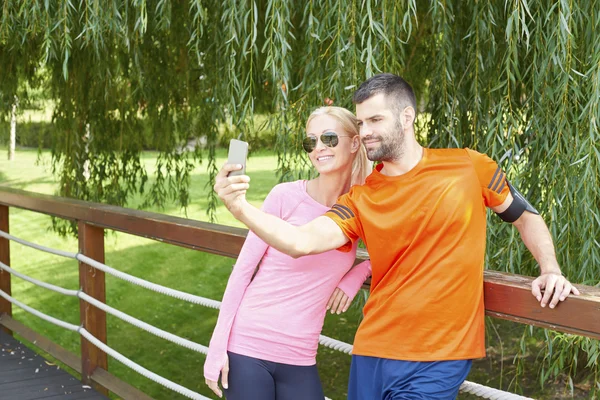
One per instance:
(517, 80)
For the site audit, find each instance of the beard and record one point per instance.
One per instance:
(391, 145)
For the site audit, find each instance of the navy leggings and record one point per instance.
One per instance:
(255, 379)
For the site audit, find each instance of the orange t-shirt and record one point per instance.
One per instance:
(425, 233)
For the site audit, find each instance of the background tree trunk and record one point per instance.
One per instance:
(13, 130)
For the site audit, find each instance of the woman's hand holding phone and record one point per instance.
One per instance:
(231, 182)
(232, 189)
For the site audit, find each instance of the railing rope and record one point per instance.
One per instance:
(39, 314)
(145, 326)
(149, 285)
(119, 274)
(36, 246)
(49, 286)
(335, 344)
(489, 393)
(104, 307)
(141, 370)
(113, 353)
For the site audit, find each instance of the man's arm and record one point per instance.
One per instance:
(320, 235)
(536, 237)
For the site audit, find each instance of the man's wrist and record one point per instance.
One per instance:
(550, 269)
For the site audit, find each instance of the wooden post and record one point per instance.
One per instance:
(91, 281)
(5, 305)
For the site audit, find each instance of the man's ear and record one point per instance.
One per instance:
(408, 116)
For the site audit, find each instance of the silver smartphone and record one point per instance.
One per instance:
(238, 152)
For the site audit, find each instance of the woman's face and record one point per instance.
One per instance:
(331, 159)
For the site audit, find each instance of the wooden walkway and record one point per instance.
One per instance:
(24, 375)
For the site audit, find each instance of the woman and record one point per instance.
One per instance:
(266, 338)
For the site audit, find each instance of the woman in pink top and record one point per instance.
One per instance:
(265, 342)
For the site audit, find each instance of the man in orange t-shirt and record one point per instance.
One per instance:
(422, 216)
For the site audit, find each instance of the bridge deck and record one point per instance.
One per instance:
(25, 375)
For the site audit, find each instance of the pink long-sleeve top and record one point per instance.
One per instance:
(278, 315)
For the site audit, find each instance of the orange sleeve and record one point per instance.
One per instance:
(494, 186)
(344, 213)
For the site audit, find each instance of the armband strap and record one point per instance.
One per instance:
(517, 207)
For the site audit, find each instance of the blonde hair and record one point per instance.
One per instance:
(361, 165)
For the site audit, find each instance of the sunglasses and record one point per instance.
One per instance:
(329, 139)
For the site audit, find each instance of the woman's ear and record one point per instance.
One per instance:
(355, 143)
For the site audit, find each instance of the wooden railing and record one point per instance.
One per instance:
(507, 296)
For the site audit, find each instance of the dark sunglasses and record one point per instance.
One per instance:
(329, 139)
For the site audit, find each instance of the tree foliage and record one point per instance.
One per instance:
(516, 79)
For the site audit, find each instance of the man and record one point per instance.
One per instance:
(422, 215)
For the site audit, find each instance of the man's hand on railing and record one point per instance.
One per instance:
(214, 385)
(555, 286)
(232, 189)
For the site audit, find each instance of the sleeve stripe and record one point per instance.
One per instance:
(502, 187)
(500, 179)
(339, 214)
(343, 208)
(494, 178)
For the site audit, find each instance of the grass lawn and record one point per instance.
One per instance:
(170, 266)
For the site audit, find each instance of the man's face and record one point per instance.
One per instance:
(380, 129)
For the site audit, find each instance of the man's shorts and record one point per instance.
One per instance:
(374, 378)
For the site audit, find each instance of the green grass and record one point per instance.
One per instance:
(186, 270)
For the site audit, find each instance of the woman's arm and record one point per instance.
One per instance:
(318, 236)
(249, 258)
(348, 287)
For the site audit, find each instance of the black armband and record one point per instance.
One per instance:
(517, 207)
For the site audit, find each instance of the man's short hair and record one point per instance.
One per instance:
(396, 89)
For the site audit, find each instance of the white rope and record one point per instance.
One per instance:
(488, 392)
(141, 370)
(118, 274)
(24, 242)
(149, 285)
(40, 314)
(124, 360)
(143, 325)
(104, 307)
(335, 344)
(48, 286)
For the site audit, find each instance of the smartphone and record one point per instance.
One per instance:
(238, 152)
